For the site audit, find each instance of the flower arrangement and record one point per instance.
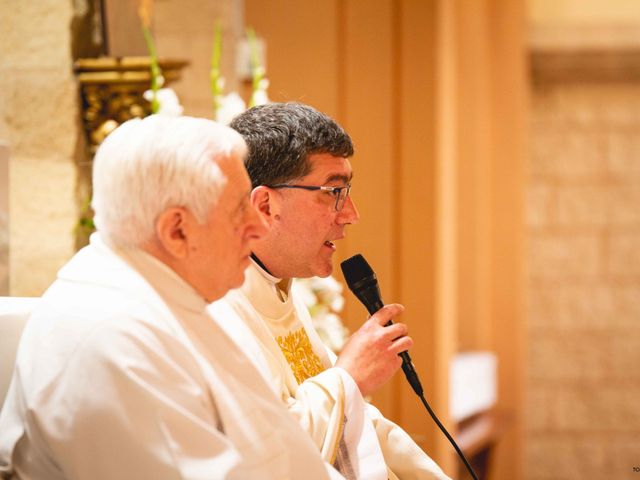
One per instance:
(157, 80)
(225, 107)
(259, 83)
(162, 100)
(324, 300)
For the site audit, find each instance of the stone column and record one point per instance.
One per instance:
(4, 218)
(39, 119)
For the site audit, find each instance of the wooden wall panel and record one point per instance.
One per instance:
(474, 128)
(424, 135)
(303, 53)
(368, 117)
(510, 91)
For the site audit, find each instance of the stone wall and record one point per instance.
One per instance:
(39, 115)
(4, 219)
(38, 119)
(584, 281)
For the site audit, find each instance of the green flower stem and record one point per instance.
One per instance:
(257, 70)
(214, 74)
(156, 74)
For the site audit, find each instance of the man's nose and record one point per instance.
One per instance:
(349, 213)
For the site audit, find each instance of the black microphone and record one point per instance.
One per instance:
(362, 281)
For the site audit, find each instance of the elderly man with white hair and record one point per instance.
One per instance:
(121, 372)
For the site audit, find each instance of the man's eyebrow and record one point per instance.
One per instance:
(339, 176)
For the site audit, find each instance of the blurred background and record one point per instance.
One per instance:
(497, 174)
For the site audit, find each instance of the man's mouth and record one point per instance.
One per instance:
(329, 244)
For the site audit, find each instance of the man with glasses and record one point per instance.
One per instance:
(301, 176)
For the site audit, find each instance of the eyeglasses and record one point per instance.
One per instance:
(340, 193)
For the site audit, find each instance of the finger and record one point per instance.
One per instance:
(401, 345)
(386, 313)
(394, 331)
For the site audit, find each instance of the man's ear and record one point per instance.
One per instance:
(265, 201)
(172, 230)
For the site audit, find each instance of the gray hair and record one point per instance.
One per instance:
(281, 136)
(147, 166)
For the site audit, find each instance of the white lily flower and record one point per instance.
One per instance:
(260, 97)
(229, 107)
(337, 304)
(323, 298)
(303, 289)
(167, 100)
(329, 290)
(327, 283)
(331, 330)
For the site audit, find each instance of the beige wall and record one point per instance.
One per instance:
(584, 281)
(594, 24)
(585, 12)
(4, 219)
(184, 30)
(38, 118)
(584, 263)
(584, 230)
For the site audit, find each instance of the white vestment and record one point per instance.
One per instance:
(278, 336)
(122, 373)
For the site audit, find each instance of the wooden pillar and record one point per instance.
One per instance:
(510, 93)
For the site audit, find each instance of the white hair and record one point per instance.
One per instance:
(146, 166)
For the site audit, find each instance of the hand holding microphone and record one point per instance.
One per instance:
(371, 356)
(362, 281)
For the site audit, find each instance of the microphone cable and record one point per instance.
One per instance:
(417, 388)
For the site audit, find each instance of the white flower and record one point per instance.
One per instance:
(229, 107)
(323, 298)
(327, 283)
(331, 330)
(337, 303)
(302, 288)
(167, 100)
(259, 96)
(330, 292)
